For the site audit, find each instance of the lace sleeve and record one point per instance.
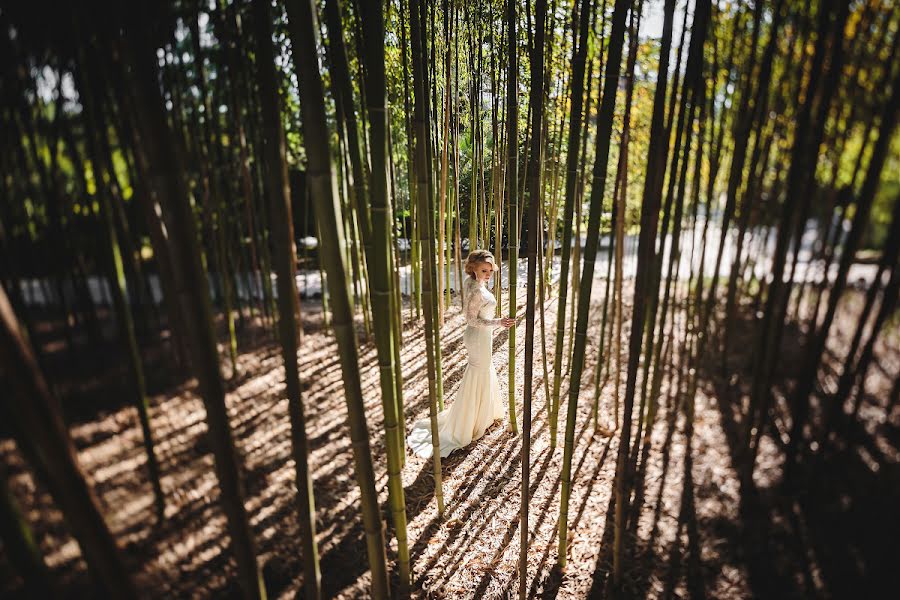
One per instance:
(473, 304)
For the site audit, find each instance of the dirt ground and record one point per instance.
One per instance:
(697, 535)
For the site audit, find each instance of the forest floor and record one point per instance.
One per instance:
(696, 535)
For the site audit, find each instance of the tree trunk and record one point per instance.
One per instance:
(44, 439)
(304, 34)
(162, 167)
(604, 135)
(579, 58)
(809, 374)
(424, 199)
(344, 87)
(512, 179)
(384, 315)
(535, 205)
(284, 258)
(643, 277)
(806, 145)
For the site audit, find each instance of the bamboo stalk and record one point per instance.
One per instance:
(285, 259)
(384, 314)
(43, 437)
(512, 159)
(304, 34)
(604, 130)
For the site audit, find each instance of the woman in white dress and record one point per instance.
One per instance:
(478, 403)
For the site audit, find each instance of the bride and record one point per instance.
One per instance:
(478, 402)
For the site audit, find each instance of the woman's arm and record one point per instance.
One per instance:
(473, 306)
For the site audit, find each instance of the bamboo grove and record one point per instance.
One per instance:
(681, 203)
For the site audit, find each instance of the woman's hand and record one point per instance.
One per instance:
(507, 322)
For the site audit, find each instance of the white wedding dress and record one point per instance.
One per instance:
(477, 404)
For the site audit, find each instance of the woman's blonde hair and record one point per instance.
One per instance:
(477, 257)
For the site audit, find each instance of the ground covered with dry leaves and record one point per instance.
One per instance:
(696, 534)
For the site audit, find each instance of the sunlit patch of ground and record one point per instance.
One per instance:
(690, 536)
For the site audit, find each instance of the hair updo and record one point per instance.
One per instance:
(477, 257)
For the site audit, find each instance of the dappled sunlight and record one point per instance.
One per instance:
(473, 551)
(707, 190)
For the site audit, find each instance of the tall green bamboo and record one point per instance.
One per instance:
(284, 257)
(162, 167)
(44, 439)
(430, 115)
(105, 178)
(385, 314)
(620, 198)
(415, 262)
(806, 142)
(854, 368)
(305, 40)
(424, 200)
(645, 267)
(653, 352)
(474, 119)
(129, 341)
(358, 163)
(604, 133)
(443, 283)
(534, 208)
(210, 149)
(800, 404)
(579, 59)
(512, 178)
(396, 298)
(229, 27)
(456, 172)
